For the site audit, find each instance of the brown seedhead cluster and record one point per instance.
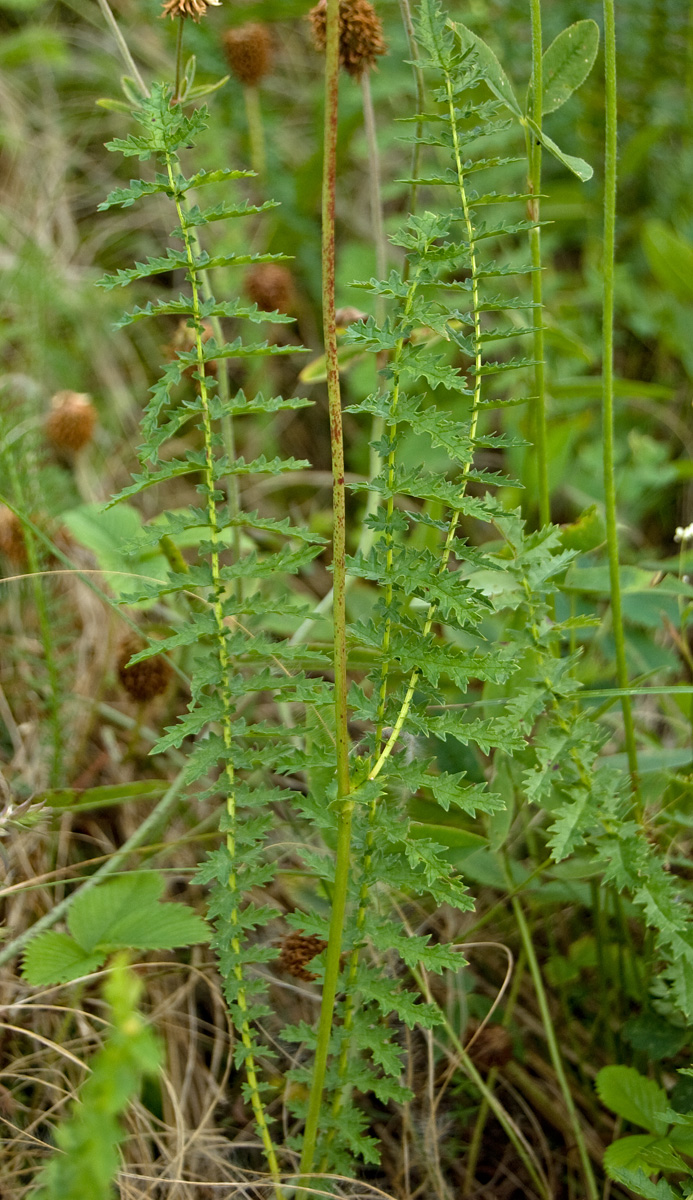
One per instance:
(297, 950)
(248, 51)
(184, 338)
(144, 680)
(12, 543)
(360, 34)
(491, 1047)
(70, 424)
(187, 8)
(271, 287)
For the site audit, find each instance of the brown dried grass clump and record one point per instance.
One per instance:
(297, 950)
(360, 34)
(271, 287)
(248, 51)
(12, 543)
(143, 680)
(70, 424)
(187, 8)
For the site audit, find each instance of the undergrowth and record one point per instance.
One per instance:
(430, 747)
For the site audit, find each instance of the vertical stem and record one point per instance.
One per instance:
(242, 1021)
(534, 154)
(378, 424)
(179, 60)
(611, 149)
(554, 1051)
(256, 132)
(476, 402)
(420, 102)
(339, 897)
(123, 46)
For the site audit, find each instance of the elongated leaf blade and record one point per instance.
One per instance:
(494, 74)
(567, 63)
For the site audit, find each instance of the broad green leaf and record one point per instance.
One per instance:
(94, 913)
(160, 927)
(588, 532)
(126, 913)
(105, 532)
(631, 1096)
(670, 258)
(577, 165)
(642, 1151)
(567, 63)
(639, 1183)
(57, 958)
(494, 74)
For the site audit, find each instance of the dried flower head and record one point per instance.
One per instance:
(271, 287)
(12, 543)
(143, 680)
(491, 1047)
(70, 423)
(187, 8)
(297, 950)
(248, 51)
(184, 337)
(360, 34)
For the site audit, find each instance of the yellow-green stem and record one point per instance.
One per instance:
(610, 186)
(224, 665)
(554, 1051)
(476, 401)
(534, 157)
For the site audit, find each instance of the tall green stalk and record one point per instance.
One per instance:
(554, 1051)
(534, 159)
(610, 184)
(224, 664)
(339, 895)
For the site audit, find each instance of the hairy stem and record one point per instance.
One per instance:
(610, 167)
(534, 157)
(420, 102)
(123, 46)
(339, 897)
(179, 60)
(224, 666)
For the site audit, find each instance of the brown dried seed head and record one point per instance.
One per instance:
(12, 542)
(144, 680)
(297, 950)
(187, 8)
(271, 287)
(492, 1048)
(360, 34)
(184, 337)
(70, 424)
(248, 51)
